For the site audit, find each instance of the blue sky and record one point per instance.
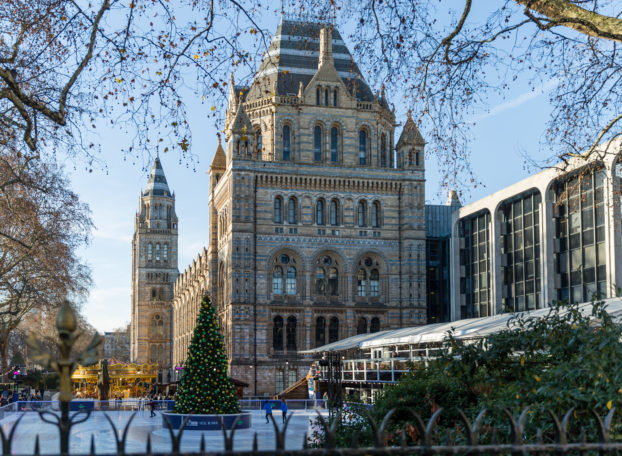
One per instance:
(503, 133)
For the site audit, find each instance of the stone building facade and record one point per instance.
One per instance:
(154, 272)
(317, 221)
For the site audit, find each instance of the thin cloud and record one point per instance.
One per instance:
(521, 99)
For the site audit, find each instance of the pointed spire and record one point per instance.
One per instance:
(220, 159)
(326, 47)
(157, 185)
(233, 96)
(410, 134)
(241, 123)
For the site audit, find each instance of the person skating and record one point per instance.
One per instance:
(152, 408)
(268, 408)
(283, 410)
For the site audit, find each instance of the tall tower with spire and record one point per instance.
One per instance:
(154, 271)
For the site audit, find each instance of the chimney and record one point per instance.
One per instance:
(326, 46)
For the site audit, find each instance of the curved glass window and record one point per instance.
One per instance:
(290, 283)
(361, 326)
(277, 280)
(319, 212)
(374, 283)
(277, 333)
(333, 330)
(361, 283)
(317, 143)
(278, 210)
(334, 144)
(334, 213)
(291, 333)
(362, 214)
(320, 331)
(362, 147)
(292, 218)
(375, 214)
(286, 143)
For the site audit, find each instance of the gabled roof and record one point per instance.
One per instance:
(293, 58)
(410, 134)
(157, 185)
(241, 123)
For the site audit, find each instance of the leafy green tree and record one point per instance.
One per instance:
(570, 359)
(205, 386)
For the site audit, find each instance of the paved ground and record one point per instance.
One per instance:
(31, 426)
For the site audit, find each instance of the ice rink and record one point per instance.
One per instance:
(142, 426)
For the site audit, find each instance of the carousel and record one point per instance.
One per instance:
(116, 378)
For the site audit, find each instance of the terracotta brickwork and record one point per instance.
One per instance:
(317, 224)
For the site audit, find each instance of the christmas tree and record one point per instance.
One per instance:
(205, 387)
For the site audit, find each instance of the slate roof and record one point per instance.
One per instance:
(410, 134)
(293, 58)
(157, 185)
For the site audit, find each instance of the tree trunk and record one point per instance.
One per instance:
(4, 361)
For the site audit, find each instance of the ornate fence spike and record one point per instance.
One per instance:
(227, 437)
(432, 423)
(148, 448)
(472, 432)
(330, 432)
(7, 440)
(37, 445)
(202, 445)
(561, 429)
(92, 447)
(378, 431)
(255, 446)
(603, 427)
(175, 438)
(304, 441)
(516, 428)
(280, 433)
(120, 441)
(582, 439)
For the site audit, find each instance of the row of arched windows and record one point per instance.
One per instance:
(326, 96)
(334, 144)
(367, 215)
(284, 333)
(157, 211)
(161, 252)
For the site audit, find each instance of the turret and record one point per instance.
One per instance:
(218, 166)
(410, 146)
(240, 136)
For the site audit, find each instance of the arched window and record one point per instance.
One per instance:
(362, 213)
(157, 252)
(375, 214)
(374, 327)
(258, 144)
(326, 97)
(333, 330)
(361, 283)
(165, 252)
(361, 326)
(320, 331)
(156, 353)
(374, 283)
(291, 333)
(383, 150)
(277, 280)
(290, 283)
(334, 213)
(334, 144)
(317, 143)
(335, 97)
(417, 158)
(362, 147)
(157, 326)
(333, 282)
(317, 96)
(149, 251)
(286, 143)
(320, 286)
(154, 294)
(278, 210)
(277, 333)
(319, 212)
(292, 213)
